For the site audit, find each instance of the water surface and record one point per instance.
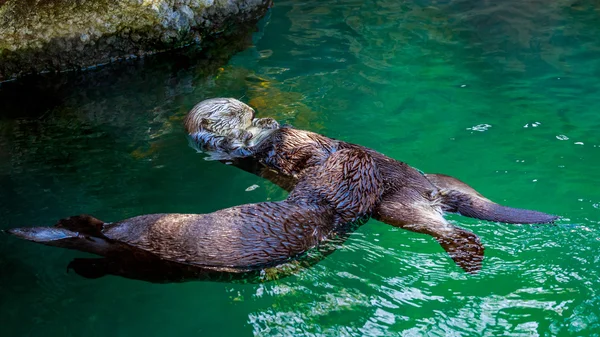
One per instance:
(503, 95)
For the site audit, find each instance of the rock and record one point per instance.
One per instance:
(39, 36)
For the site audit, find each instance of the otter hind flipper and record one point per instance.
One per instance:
(408, 209)
(67, 229)
(58, 236)
(84, 224)
(459, 197)
(45, 235)
(463, 246)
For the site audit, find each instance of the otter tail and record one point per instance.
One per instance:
(79, 232)
(459, 197)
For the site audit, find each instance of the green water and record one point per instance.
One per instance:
(503, 95)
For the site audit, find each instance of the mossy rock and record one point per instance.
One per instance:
(57, 35)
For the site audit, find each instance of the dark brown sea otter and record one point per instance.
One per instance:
(227, 129)
(234, 243)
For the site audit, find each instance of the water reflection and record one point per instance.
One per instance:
(356, 303)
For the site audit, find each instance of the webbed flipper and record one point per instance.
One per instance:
(407, 209)
(458, 197)
(64, 230)
(62, 237)
(50, 236)
(83, 224)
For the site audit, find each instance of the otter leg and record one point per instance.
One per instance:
(407, 209)
(459, 197)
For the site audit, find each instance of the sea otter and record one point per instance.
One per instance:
(411, 200)
(238, 242)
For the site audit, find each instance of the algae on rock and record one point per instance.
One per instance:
(56, 35)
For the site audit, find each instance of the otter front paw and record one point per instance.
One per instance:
(265, 123)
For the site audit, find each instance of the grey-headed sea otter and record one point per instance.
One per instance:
(240, 242)
(227, 130)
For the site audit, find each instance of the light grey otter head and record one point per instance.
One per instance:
(226, 126)
(220, 116)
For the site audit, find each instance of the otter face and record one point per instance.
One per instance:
(225, 128)
(220, 116)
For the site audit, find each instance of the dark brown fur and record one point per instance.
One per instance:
(410, 199)
(244, 239)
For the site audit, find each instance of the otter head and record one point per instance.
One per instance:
(226, 117)
(227, 126)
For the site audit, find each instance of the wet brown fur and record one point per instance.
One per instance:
(244, 239)
(410, 200)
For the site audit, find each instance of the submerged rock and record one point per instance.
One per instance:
(57, 35)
